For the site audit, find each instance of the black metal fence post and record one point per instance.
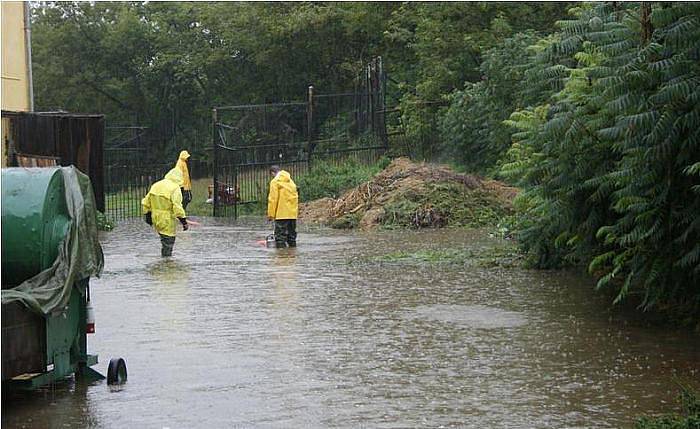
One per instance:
(335, 128)
(215, 142)
(310, 125)
(235, 191)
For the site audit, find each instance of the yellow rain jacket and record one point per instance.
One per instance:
(164, 202)
(182, 165)
(283, 200)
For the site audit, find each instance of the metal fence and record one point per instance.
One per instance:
(333, 128)
(252, 138)
(131, 166)
(247, 140)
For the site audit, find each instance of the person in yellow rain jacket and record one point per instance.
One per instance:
(162, 206)
(186, 187)
(283, 206)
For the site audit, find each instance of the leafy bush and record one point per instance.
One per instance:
(472, 129)
(610, 164)
(688, 419)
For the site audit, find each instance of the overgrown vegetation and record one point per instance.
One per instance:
(329, 179)
(688, 418)
(474, 134)
(414, 195)
(596, 118)
(163, 65)
(605, 129)
(506, 256)
(444, 204)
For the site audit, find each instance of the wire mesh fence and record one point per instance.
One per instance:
(333, 128)
(126, 186)
(248, 139)
(131, 166)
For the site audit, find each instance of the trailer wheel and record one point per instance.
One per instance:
(116, 372)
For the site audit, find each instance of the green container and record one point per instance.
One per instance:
(39, 349)
(35, 220)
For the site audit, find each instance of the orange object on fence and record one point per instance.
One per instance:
(26, 160)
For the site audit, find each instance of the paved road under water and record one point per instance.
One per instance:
(228, 333)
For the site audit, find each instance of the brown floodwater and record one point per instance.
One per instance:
(228, 333)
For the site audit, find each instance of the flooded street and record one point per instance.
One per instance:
(229, 333)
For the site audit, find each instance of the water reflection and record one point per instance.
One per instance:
(169, 271)
(228, 332)
(63, 405)
(284, 277)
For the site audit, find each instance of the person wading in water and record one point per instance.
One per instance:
(162, 206)
(186, 187)
(283, 207)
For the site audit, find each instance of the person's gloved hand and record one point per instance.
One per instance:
(183, 221)
(148, 218)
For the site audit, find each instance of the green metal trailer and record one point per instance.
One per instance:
(49, 251)
(39, 350)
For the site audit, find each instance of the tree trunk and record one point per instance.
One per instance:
(647, 28)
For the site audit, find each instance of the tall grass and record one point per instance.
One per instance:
(328, 179)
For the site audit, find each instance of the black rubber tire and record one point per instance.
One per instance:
(116, 372)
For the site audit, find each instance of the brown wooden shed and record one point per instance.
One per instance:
(58, 138)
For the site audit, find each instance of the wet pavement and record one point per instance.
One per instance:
(228, 333)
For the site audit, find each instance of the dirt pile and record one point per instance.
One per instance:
(408, 194)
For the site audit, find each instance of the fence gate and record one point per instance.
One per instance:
(333, 128)
(129, 170)
(253, 138)
(135, 158)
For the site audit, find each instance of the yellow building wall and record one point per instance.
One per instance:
(15, 84)
(15, 73)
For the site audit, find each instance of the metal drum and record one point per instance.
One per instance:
(35, 220)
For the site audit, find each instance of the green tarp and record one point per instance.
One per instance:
(79, 256)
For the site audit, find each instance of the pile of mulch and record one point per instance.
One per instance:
(413, 194)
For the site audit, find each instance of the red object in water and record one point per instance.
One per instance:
(227, 193)
(191, 222)
(90, 316)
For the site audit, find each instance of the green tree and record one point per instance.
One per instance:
(434, 49)
(165, 65)
(472, 130)
(610, 165)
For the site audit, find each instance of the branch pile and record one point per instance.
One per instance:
(414, 195)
